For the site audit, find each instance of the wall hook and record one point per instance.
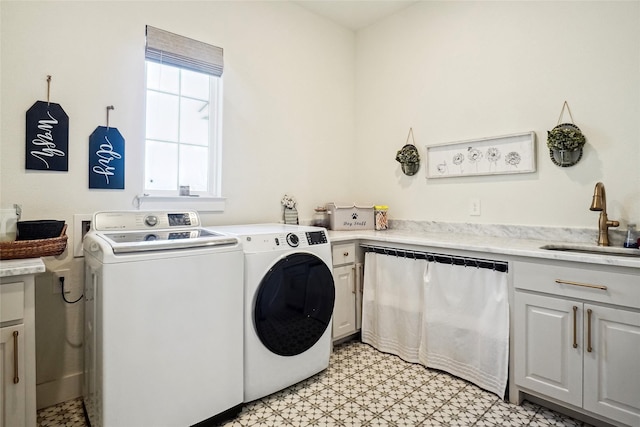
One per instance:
(48, 89)
(109, 107)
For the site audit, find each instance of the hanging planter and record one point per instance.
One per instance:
(408, 156)
(565, 142)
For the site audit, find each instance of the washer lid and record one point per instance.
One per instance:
(156, 240)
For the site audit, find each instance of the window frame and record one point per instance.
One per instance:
(214, 143)
(168, 49)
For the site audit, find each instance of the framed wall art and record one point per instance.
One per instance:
(486, 156)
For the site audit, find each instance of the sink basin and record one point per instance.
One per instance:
(594, 250)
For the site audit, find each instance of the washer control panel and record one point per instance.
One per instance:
(141, 220)
(302, 239)
(284, 240)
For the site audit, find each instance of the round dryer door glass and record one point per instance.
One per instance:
(294, 304)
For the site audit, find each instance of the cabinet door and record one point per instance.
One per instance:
(344, 311)
(546, 361)
(612, 364)
(12, 379)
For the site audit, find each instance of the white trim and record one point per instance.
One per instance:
(78, 234)
(200, 204)
(215, 136)
(59, 390)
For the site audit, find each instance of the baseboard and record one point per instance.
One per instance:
(58, 391)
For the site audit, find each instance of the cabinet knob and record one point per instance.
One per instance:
(346, 254)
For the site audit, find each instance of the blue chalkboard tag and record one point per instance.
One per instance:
(106, 159)
(47, 146)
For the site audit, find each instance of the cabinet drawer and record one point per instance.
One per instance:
(11, 301)
(344, 254)
(611, 285)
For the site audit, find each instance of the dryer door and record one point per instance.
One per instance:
(294, 304)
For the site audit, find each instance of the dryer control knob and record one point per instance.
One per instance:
(293, 240)
(151, 220)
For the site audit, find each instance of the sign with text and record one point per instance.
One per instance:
(47, 146)
(106, 159)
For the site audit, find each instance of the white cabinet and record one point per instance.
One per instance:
(17, 342)
(612, 366)
(577, 337)
(546, 360)
(347, 274)
(12, 411)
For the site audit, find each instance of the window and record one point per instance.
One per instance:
(183, 111)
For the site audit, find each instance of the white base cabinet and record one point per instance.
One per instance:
(347, 276)
(612, 366)
(17, 342)
(12, 411)
(577, 338)
(546, 360)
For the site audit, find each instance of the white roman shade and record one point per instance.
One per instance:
(172, 49)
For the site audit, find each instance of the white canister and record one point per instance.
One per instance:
(8, 225)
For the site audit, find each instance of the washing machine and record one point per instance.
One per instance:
(289, 296)
(163, 321)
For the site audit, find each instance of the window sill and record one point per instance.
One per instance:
(200, 204)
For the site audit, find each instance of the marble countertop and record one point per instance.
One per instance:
(18, 267)
(487, 244)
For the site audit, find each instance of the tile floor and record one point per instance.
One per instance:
(364, 387)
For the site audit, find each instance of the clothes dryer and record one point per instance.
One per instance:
(289, 296)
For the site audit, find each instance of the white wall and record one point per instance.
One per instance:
(456, 71)
(296, 90)
(288, 110)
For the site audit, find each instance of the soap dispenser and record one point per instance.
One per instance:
(631, 241)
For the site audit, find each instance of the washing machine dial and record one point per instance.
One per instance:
(151, 220)
(293, 240)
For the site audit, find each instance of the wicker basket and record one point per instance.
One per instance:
(20, 249)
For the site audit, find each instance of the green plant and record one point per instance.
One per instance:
(408, 154)
(565, 137)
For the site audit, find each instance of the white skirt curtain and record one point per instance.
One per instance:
(392, 304)
(465, 329)
(446, 317)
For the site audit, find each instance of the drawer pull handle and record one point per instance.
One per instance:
(584, 285)
(345, 254)
(16, 378)
(575, 332)
(589, 348)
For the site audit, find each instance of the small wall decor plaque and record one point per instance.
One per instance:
(106, 157)
(486, 156)
(47, 136)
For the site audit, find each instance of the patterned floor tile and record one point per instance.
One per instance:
(505, 414)
(365, 388)
(403, 414)
(546, 417)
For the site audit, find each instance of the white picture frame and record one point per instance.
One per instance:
(496, 155)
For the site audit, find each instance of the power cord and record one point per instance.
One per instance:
(65, 298)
